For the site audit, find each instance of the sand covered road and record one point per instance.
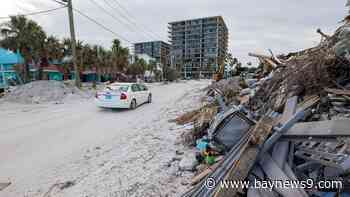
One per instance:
(75, 149)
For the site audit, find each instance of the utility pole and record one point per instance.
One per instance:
(73, 40)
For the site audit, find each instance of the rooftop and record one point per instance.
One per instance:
(209, 17)
(152, 42)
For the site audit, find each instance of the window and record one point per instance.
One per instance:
(135, 88)
(142, 87)
(119, 87)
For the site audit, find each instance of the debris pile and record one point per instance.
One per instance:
(228, 88)
(219, 96)
(199, 121)
(289, 124)
(306, 72)
(44, 92)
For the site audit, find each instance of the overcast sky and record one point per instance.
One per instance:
(254, 25)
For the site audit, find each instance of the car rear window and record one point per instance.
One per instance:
(143, 87)
(122, 88)
(135, 88)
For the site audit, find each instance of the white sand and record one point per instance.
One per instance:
(104, 152)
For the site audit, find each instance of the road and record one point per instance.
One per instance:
(75, 149)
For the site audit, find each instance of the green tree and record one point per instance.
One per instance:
(170, 74)
(67, 46)
(152, 66)
(26, 36)
(138, 67)
(52, 51)
(53, 48)
(120, 56)
(103, 61)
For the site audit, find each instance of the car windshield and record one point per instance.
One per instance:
(121, 88)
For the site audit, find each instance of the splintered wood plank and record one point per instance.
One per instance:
(338, 91)
(240, 169)
(204, 174)
(289, 109)
(308, 102)
(320, 129)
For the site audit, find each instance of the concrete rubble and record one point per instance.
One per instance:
(291, 122)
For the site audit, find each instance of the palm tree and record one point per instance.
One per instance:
(152, 66)
(24, 35)
(138, 67)
(67, 46)
(103, 58)
(53, 48)
(80, 47)
(52, 51)
(120, 56)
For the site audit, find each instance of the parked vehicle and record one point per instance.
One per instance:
(123, 95)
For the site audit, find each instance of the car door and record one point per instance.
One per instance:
(135, 93)
(140, 94)
(144, 93)
(147, 92)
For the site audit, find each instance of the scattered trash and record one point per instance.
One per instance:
(188, 117)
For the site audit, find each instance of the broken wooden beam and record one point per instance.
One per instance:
(275, 58)
(320, 129)
(205, 173)
(322, 34)
(337, 91)
(4, 185)
(240, 170)
(259, 55)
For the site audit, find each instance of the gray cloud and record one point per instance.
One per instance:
(254, 25)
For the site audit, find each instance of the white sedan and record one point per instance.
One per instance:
(123, 95)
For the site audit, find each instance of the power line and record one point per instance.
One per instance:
(35, 13)
(113, 16)
(116, 18)
(96, 22)
(101, 25)
(60, 2)
(131, 16)
(130, 21)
